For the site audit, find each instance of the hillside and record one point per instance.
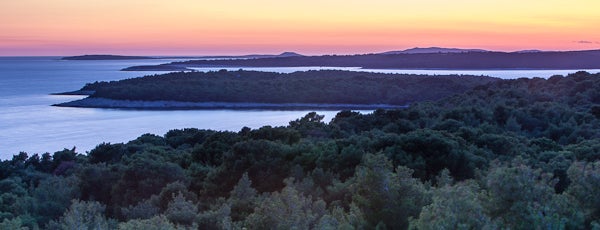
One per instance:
(511, 154)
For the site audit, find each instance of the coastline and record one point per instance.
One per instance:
(178, 105)
(76, 92)
(494, 60)
(168, 67)
(160, 67)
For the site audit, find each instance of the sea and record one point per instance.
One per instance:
(28, 122)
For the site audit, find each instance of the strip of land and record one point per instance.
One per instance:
(589, 59)
(178, 105)
(325, 89)
(95, 57)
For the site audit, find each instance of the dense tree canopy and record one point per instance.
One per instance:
(320, 87)
(513, 154)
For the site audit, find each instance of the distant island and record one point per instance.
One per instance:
(412, 59)
(418, 50)
(428, 50)
(92, 57)
(105, 57)
(325, 89)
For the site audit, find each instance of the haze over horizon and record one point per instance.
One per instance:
(235, 27)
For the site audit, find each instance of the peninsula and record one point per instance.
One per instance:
(94, 57)
(325, 89)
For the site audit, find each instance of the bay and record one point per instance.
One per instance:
(28, 123)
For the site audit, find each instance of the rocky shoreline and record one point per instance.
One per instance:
(178, 105)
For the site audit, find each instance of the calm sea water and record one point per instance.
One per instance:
(28, 123)
(504, 74)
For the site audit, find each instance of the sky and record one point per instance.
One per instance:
(229, 27)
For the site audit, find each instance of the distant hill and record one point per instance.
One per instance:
(105, 57)
(589, 59)
(289, 54)
(429, 50)
(251, 56)
(528, 51)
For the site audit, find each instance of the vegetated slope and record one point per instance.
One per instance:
(513, 154)
(326, 86)
(580, 91)
(468, 60)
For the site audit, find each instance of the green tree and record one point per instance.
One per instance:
(242, 198)
(51, 198)
(11, 190)
(106, 152)
(159, 222)
(85, 215)
(287, 209)
(456, 206)
(337, 218)
(181, 211)
(13, 224)
(144, 210)
(218, 217)
(387, 197)
(310, 125)
(171, 190)
(585, 187)
(430, 151)
(520, 197)
(146, 175)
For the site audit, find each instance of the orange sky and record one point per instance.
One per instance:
(198, 27)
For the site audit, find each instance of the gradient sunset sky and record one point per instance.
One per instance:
(194, 27)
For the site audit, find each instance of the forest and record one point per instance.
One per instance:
(587, 59)
(509, 154)
(322, 87)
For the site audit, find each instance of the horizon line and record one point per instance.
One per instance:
(297, 52)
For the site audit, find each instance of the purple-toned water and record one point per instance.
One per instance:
(28, 123)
